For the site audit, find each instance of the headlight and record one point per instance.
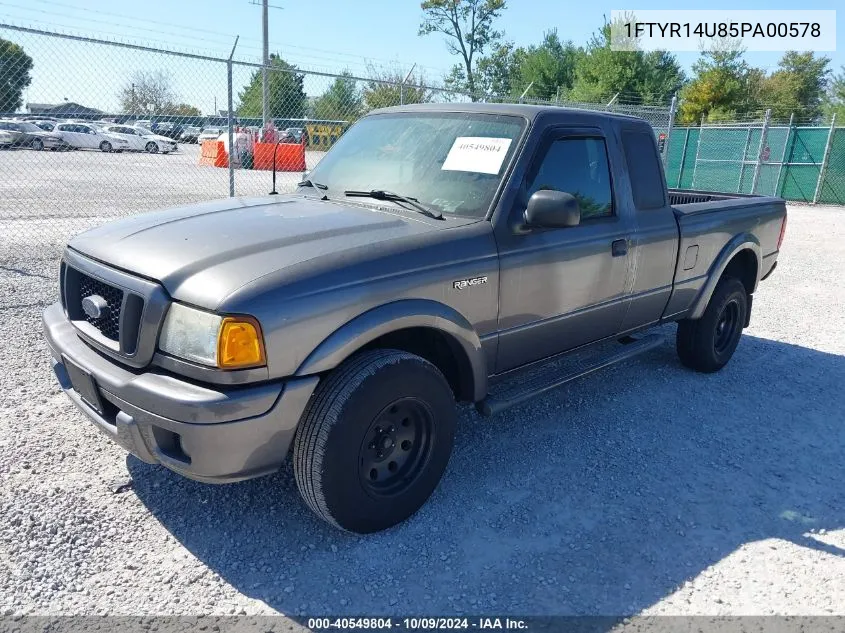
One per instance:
(209, 339)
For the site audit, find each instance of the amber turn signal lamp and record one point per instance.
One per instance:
(240, 344)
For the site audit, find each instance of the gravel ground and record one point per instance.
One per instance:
(645, 488)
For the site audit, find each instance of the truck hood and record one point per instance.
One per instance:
(202, 253)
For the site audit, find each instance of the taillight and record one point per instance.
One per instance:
(782, 230)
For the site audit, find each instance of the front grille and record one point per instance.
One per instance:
(131, 309)
(109, 323)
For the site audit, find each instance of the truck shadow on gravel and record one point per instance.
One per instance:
(601, 498)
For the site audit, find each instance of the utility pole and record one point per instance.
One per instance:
(265, 89)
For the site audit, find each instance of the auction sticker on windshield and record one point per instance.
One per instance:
(478, 154)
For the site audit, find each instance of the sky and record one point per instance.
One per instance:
(319, 35)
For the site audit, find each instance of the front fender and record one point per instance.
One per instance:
(400, 315)
(741, 242)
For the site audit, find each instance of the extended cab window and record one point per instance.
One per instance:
(644, 166)
(577, 166)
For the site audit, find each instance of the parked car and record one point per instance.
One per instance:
(210, 134)
(6, 140)
(432, 250)
(135, 141)
(168, 129)
(26, 134)
(295, 133)
(47, 126)
(154, 143)
(41, 120)
(190, 134)
(86, 136)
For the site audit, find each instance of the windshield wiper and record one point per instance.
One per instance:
(380, 194)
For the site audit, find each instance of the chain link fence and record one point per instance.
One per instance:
(110, 129)
(801, 164)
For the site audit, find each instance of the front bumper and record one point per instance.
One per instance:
(204, 432)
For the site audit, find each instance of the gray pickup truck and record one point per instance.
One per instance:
(433, 250)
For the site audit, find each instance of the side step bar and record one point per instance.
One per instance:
(544, 382)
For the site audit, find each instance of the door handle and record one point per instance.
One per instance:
(619, 248)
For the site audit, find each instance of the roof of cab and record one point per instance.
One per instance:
(528, 111)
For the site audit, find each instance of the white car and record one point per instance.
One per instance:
(154, 143)
(84, 136)
(139, 141)
(210, 134)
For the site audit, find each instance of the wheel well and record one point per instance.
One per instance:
(438, 348)
(743, 266)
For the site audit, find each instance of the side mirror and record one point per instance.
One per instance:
(552, 209)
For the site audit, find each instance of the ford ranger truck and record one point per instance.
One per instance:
(432, 251)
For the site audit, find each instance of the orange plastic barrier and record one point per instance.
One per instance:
(214, 153)
(289, 156)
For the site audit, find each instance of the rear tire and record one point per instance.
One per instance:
(374, 440)
(105, 146)
(38, 145)
(708, 343)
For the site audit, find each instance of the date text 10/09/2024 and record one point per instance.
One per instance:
(418, 623)
(722, 29)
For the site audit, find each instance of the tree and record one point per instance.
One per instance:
(287, 96)
(498, 73)
(548, 68)
(468, 27)
(15, 66)
(341, 102)
(495, 74)
(798, 86)
(601, 73)
(835, 98)
(147, 92)
(183, 109)
(724, 86)
(384, 89)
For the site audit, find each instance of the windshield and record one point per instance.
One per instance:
(143, 130)
(452, 162)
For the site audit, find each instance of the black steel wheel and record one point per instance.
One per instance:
(396, 447)
(374, 440)
(708, 343)
(726, 327)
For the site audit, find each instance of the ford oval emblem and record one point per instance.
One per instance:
(95, 307)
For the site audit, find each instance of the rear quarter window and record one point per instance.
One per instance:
(644, 166)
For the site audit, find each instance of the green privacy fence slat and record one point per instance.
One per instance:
(724, 159)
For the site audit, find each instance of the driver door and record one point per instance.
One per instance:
(563, 287)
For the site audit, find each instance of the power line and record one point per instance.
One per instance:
(223, 40)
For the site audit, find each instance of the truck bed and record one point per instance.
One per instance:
(709, 225)
(687, 203)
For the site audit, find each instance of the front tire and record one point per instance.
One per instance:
(708, 343)
(152, 148)
(374, 440)
(105, 146)
(38, 145)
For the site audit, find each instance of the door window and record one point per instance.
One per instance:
(577, 166)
